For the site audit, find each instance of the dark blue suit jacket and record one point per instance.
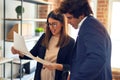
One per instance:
(63, 57)
(92, 59)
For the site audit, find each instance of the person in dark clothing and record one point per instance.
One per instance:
(92, 52)
(55, 46)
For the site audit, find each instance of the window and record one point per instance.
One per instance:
(115, 31)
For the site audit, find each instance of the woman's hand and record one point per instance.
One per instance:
(53, 66)
(14, 51)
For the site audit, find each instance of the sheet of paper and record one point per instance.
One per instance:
(19, 44)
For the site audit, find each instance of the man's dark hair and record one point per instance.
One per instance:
(76, 7)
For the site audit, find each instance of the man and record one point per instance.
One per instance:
(92, 52)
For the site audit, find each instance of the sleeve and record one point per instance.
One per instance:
(69, 50)
(66, 67)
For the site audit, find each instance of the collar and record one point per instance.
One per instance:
(80, 23)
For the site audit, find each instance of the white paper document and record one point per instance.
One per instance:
(19, 44)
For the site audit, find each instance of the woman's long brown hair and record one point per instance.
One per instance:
(64, 38)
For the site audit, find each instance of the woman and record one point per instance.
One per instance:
(54, 46)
